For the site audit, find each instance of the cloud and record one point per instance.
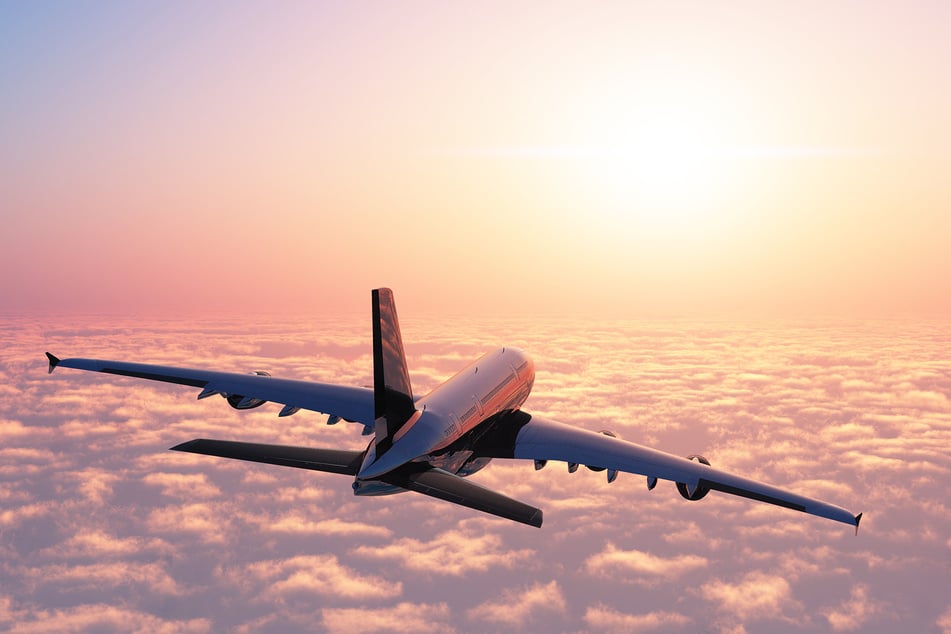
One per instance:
(15, 515)
(757, 596)
(104, 617)
(320, 575)
(210, 523)
(95, 484)
(515, 608)
(183, 485)
(622, 564)
(450, 553)
(403, 617)
(92, 543)
(100, 575)
(944, 622)
(297, 524)
(89, 492)
(855, 612)
(601, 618)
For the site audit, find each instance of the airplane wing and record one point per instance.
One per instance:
(349, 403)
(441, 484)
(329, 460)
(523, 435)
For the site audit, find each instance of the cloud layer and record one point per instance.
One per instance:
(102, 528)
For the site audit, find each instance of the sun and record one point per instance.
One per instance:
(664, 164)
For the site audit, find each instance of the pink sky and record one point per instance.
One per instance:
(625, 159)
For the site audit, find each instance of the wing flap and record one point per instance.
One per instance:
(538, 438)
(350, 403)
(329, 460)
(452, 488)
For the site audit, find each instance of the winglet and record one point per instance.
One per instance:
(54, 361)
(858, 518)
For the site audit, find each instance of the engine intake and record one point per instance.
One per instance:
(700, 491)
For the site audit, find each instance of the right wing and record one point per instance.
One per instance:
(349, 403)
(523, 435)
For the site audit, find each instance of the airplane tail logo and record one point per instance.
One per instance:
(392, 394)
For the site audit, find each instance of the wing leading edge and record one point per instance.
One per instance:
(536, 438)
(350, 403)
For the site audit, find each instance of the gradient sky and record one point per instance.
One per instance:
(623, 159)
(717, 227)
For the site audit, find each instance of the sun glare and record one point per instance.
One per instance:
(663, 166)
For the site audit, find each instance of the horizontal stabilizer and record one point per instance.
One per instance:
(452, 488)
(330, 460)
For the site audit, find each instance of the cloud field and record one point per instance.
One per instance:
(103, 529)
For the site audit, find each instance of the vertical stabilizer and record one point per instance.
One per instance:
(392, 394)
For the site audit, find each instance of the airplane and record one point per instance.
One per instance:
(431, 444)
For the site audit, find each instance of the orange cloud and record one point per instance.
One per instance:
(401, 618)
(757, 596)
(515, 608)
(603, 619)
(449, 553)
(635, 564)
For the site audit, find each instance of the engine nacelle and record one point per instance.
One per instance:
(242, 402)
(701, 491)
(606, 433)
(246, 402)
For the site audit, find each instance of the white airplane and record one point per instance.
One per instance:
(431, 443)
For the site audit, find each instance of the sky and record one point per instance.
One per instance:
(620, 159)
(718, 228)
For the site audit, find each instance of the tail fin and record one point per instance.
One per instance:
(392, 394)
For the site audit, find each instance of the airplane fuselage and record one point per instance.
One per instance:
(495, 383)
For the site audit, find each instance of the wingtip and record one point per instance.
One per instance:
(54, 361)
(185, 446)
(858, 518)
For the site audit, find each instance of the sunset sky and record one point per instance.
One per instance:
(719, 228)
(623, 159)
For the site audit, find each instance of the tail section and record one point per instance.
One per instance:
(392, 394)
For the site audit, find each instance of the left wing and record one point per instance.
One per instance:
(350, 403)
(522, 435)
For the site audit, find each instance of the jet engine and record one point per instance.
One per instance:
(701, 491)
(245, 402)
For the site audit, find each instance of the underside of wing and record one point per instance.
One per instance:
(330, 460)
(452, 488)
(522, 435)
(244, 390)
